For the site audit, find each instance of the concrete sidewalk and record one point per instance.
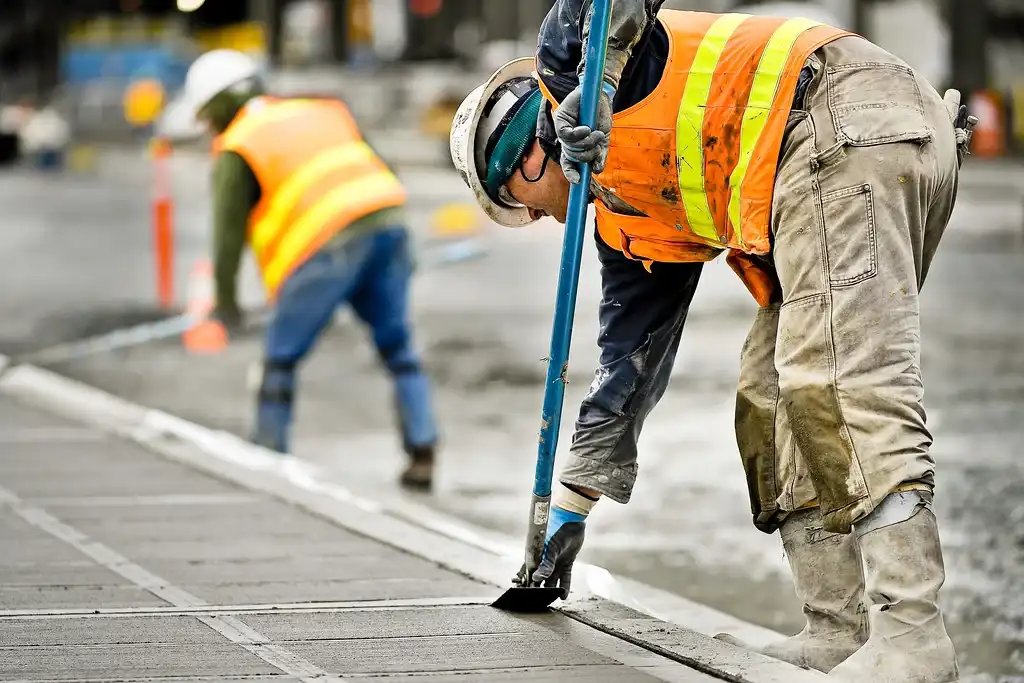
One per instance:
(130, 555)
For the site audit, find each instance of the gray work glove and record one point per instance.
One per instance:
(580, 144)
(963, 124)
(565, 539)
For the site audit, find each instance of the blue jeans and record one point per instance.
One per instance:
(642, 316)
(372, 273)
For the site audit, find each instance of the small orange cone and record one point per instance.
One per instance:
(206, 336)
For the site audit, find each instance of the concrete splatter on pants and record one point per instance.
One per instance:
(642, 316)
(829, 404)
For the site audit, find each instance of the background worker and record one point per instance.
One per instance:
(828, 170)
(324, 217)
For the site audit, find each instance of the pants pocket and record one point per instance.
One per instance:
(875, 103)
(850, 242)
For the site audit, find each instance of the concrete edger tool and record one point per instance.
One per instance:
(524, 596)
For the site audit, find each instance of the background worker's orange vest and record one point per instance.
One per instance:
(698, 155)
(316, 177)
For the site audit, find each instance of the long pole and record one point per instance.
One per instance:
(565, 298)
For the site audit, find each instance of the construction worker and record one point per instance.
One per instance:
(324, 218)
(827, 169)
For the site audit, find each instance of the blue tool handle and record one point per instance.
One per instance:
(569, 270)
(565, 302)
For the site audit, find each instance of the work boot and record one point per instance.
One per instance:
(419, 474)
(827, 577)
(903, 573)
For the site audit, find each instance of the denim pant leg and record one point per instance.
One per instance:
(382, 302)
(642, 315)
(305, 306)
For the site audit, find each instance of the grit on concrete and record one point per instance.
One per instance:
(83, 262)
(119, 565)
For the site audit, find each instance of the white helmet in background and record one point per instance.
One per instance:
(474, 122)
(215, 72)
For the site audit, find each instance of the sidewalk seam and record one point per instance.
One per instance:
(229, 458)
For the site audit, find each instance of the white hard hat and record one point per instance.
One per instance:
(473, 123)
(215, 72)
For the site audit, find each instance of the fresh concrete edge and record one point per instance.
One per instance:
(232, 459)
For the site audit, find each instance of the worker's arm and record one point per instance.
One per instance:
(235, 192)
(630, 21)
(563, 33)
(561, 61)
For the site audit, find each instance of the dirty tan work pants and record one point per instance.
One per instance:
(829, 404)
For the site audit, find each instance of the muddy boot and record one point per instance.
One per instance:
(828, 579)
(903, 572)
(419, 474)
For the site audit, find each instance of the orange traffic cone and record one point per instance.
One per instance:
(206, 336)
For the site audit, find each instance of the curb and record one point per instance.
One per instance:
(615, 606)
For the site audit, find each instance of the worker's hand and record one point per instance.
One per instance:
(565, 538)
(581, 144)
(228, 315)
(963, 124)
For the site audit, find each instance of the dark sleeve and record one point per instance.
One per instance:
(235, 193)
(638, 47)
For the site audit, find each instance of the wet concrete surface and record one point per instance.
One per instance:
(80, 257)
(154, 608)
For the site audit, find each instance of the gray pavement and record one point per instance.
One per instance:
(79, 253)
(120, 565)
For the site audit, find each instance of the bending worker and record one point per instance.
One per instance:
(324, 217)
(828, 170)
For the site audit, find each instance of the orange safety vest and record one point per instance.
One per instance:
(698, 155)
(316, 176)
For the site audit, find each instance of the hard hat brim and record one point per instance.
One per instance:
(462, 142)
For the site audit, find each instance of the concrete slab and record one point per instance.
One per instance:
(37, 552)
(267, 520)
(395, 623)
(14, 415)
(65, 631)
(565, 643)
(61, 574)
(190, 550)
(400, 655)
(385, 566)
(577, 674)
(120, 662)
(30, 469)
(362, 589)
(68, 597)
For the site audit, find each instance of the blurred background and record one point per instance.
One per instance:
(101, 231)
(84, 56)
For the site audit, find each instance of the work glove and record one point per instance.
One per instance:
(963, 124)
(581, 144)
(564, 540)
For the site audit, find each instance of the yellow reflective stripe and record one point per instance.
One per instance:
(762, 95)
(367, 189)
(291, 191)
(257, 113)
(690, 124)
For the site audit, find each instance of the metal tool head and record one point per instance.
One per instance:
(527, 600)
